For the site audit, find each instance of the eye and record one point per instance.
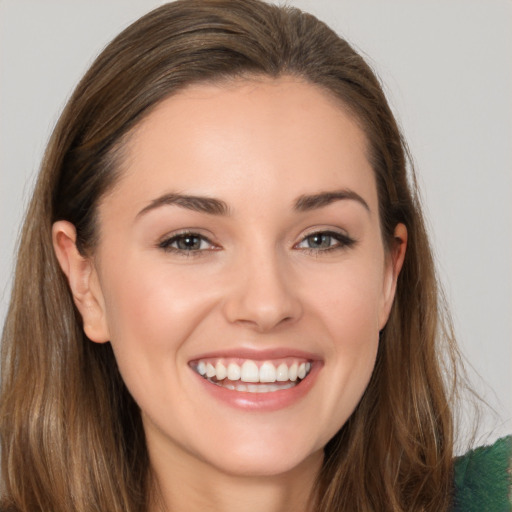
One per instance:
(186, 243)
(322, 241)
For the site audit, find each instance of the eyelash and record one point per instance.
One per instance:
(342, 242)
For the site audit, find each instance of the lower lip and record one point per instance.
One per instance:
(271, 401)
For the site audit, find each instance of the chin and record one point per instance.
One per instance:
(264, 463)
(268, 450)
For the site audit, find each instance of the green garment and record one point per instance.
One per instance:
(483, 479)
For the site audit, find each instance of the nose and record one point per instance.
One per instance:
(262, 295)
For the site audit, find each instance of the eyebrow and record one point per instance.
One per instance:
(196, 203)
(214, 206)
(312, 202)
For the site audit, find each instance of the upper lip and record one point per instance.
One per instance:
(258, 354)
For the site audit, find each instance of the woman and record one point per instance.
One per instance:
(225, 295)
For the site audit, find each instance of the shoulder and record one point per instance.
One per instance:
(483, 478)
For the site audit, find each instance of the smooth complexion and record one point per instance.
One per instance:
(287, 260)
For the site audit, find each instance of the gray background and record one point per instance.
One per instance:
(446, 66)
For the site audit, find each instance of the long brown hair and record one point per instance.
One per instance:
(71, 435)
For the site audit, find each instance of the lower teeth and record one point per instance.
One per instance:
(253, 388)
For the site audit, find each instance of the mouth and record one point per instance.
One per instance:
(253, 376)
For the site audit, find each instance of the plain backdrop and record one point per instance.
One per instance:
(447, 70)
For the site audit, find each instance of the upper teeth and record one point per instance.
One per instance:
(249, 371)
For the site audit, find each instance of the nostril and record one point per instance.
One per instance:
(263, 319)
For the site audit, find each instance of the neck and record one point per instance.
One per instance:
(199, 487)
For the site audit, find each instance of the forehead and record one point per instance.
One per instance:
(241, 136)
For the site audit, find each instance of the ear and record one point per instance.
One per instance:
(83, 281)
(394, 261)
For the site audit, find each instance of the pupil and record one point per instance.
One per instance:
(189, 242)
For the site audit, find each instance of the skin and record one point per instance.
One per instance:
(258, 145)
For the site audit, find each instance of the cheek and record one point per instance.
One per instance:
(348, 309)
(153, 312)
(352, 321)
(152, 309)
(349, 301)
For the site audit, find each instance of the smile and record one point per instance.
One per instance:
(253, 376)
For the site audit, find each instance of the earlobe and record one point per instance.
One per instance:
(395, 261)
(83, 281)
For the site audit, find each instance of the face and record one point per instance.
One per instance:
(240, 274)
